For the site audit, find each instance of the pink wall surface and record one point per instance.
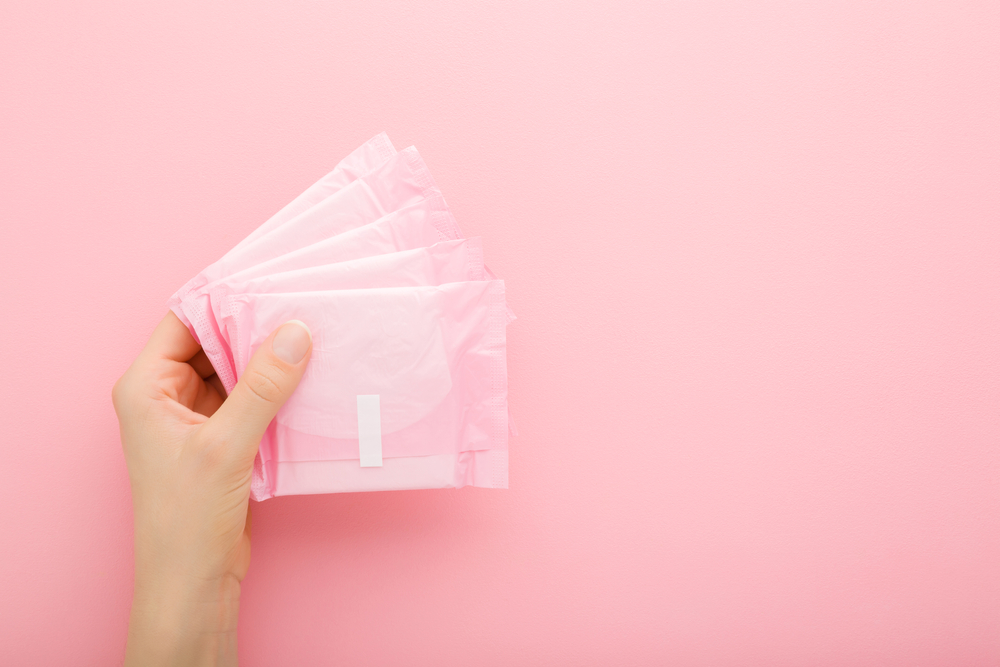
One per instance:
(755, 252)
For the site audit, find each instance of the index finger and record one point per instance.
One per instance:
(172, 340)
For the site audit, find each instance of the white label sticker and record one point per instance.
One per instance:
(369, 431)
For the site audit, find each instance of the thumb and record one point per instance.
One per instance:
(269, 379)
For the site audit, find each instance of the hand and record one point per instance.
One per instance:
(190, 454)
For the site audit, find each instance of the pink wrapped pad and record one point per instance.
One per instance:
(419, 225)
(444, 262)
(363, 160)
(435, 356)
(402, 180)
(484, 468)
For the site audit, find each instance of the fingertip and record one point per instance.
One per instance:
(303, 325)
(292, 341)
(172, 339)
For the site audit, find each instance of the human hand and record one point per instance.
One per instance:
(190, 454)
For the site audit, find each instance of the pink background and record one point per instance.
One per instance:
(755, 252)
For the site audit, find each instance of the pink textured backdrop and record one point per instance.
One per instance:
(755, 252)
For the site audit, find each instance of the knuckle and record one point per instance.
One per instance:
(221, 451)
(120, 393)
(267, 383)
(216, 453)
(116, 394)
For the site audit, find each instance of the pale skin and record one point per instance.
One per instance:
(190, 453)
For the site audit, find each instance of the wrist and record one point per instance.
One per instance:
(183, 621)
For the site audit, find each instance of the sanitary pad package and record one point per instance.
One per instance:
(421, 224)
(407, 384)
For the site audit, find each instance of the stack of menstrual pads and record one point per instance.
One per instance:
(407, 384)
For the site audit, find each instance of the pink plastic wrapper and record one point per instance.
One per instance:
(446, 262)
(362, 161)
(435, 356)
(401, 180)
(483, 468)
(419, 225)
(408, 325)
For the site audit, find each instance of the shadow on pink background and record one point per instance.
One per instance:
(755, 252)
